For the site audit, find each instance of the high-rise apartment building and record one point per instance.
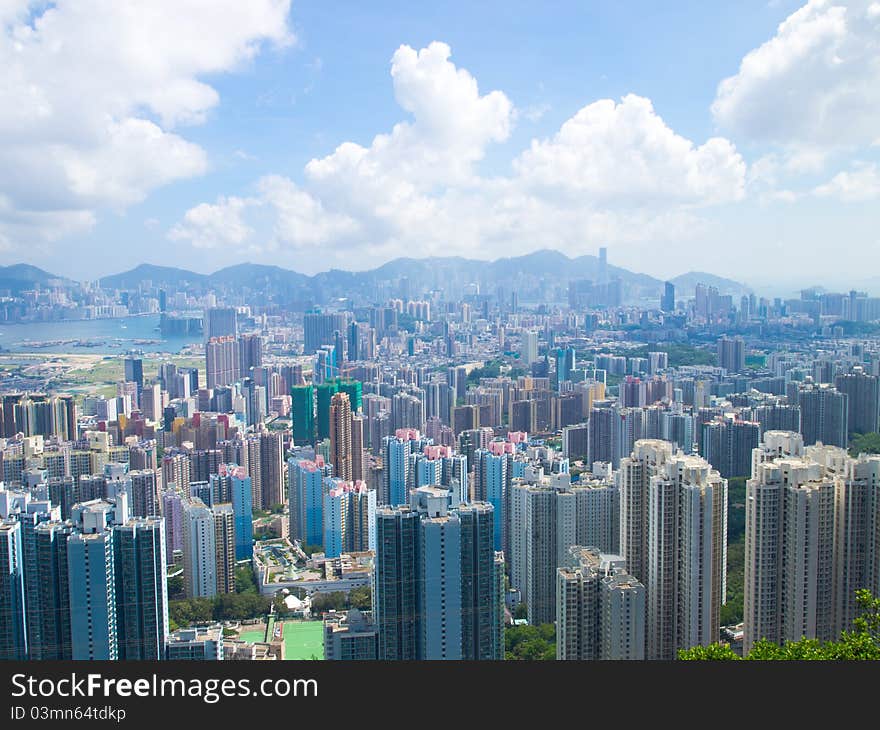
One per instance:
(674, 540)
(863, 400)
(250, 353)
(600, 609)
(302, 410)
(396, 451)
(221, 361)
(224, 545)
(727, 445)
(13, 619)
(811, 539)
(319, 329)
(91, 580)
(732, 354)
(199, 551)
(824, 413)
(529, 347)
(48, 601)
(306, 499)
(548, 515)
(233, 484)
(220, 322)
(141, 589)
(437, 586)
(340, 436)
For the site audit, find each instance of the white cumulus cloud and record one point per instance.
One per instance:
(614, 172)
(625, 152)
(816, 82)
(853, 186)
(94, 95)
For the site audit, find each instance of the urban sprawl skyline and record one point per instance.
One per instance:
(486, 332)
(422, 476)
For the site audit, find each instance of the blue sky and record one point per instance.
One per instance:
(564, 125)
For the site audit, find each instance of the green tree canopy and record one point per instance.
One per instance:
(865, 443)
(862, 643)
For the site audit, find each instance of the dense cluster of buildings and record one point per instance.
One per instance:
(482, 459)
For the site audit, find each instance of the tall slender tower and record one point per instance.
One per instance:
(199, 551)
(49, 604)
(635, 476)
(674, 540)
(786, 498)
(224, 542)
(13, 622)
(340, 436)
(141, 588)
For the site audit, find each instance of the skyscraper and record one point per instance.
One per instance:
(600, 609)
(811, 539)
(635, 476)
(824, 413)
(565, 363)
(863, 400)
(358, 448)
(306, 486)
(172, 512)
(685, 578)
(360, 525)
(271, 469)
(254, 402)
(144, 493)
(335, 511)
(92, 585)
(396, 452)
(493, 473)
(788, 545)
(234, 481)
(221, 361)
(727, 445)
(141, 588)
(250, 353)
(432, 566)
(134, 372)
(220, 322)
(340, 436)
(529, 347)
(199, 551)
(303, 413)
(667, 300)
(482, 576)
(13, 619)
(732, 354)
(674, 540)
(319, 329)
(48, 607)
(224, 544)
(323, 395)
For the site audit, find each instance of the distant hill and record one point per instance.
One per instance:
(158, 275)
(256, 276)
(686, 283)
(533, 276)
(21, 277)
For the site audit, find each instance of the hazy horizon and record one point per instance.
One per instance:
(309, 138)
(767, 289)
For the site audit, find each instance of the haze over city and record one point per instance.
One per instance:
(486, 332)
